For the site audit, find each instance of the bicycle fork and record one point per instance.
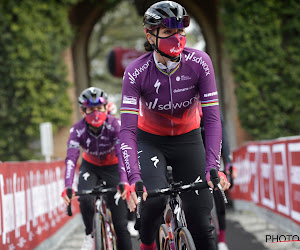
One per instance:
(174, 219)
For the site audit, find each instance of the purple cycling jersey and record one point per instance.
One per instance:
(101, 150)
(165, 102)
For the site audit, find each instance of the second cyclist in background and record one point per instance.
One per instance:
(98, 135)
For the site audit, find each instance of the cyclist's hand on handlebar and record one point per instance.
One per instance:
(125, 194)
(133, 200)
(233, 172)
(223, 181)
(65, 196)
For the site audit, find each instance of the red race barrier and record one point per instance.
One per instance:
(268, 175)
(31, 208)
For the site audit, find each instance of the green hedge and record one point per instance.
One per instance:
(33, 83)
(262, 38)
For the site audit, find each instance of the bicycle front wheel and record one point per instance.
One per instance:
(111, 240)
(163, 238)
(185, 240)
(98, 232)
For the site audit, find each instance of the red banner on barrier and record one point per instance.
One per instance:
(31, 208)
(268, 175)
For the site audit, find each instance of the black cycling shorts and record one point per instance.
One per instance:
(186, 154)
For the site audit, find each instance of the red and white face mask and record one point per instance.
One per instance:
(172, 45)
(96, 118)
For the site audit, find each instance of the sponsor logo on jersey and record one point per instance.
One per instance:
(141, 108)
(169, 106)
(152, 105)
(104, 138)
(198, 60)
(135, 74)
(88, 141)
(139, 152)
(74, 144)
(103, 152)
(70, 165)
(182, 78)
(109, 127)
(211, 94)
(80, 132)
(183, 89)
(124, 147)
(156, 86)
(129, 100)
(218, 160)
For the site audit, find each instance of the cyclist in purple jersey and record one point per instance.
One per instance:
(160, 122)
(98, 135)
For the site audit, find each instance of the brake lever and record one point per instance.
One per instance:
(216, 181)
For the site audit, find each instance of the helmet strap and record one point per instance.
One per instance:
(155, 47)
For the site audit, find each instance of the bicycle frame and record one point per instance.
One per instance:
(174, 218)
(108, 233)
(174, 232)
(103, 229)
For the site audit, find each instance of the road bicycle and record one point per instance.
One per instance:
(173, 233)
(103, 230)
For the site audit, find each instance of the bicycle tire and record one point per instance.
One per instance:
(98, 232)
(163, 238)
(185, 240)
(110, 236)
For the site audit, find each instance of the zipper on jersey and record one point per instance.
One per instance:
(172, 111)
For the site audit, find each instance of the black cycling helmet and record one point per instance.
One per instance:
(91, 97)
(166, 13)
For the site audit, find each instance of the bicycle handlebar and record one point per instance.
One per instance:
(139, 186)
(69, 194)
(95, 191)
(214, 177)
(179, 189)
(173, 189)
(229, 177)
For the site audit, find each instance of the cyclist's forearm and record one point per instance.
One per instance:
(71, 161)
(128, 146)
(213, 137)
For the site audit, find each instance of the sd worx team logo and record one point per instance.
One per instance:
(198, 60)
(137, 71)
